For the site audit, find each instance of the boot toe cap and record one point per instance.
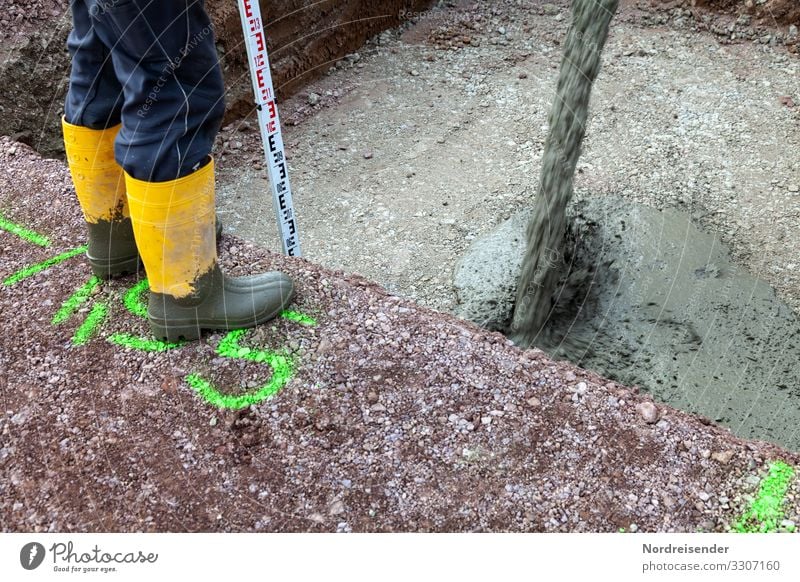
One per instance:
(269, 292)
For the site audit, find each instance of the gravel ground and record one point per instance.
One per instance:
(396, 418)
(399, 418)
(432, 135)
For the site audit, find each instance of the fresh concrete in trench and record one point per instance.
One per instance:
(412, 153)
(655, 302)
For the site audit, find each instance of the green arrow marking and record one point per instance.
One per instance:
(24, 233)
(766, 511)
(75, 300)
(144, 344)
(92, 323)
(38, 267)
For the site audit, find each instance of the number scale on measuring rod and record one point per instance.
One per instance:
(270, 125)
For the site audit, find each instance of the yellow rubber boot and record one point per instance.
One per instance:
(174, 227)
(100, 185)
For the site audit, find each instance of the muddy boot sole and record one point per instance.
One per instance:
(109, 269)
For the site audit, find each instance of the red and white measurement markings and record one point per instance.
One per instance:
(270, 125)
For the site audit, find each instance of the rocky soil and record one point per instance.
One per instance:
(776, 11)
(395, 417)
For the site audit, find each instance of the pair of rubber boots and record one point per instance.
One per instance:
(171, 228)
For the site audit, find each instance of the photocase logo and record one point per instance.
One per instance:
(31, 555)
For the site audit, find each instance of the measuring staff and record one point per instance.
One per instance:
(269, 124)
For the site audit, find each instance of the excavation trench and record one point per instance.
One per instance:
(637, 295)
(304, 39)
(647, 298)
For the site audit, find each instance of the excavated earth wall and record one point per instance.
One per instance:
(305, 38)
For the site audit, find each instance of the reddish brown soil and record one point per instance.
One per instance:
(733, 20)
(778, 11)
(397, 418)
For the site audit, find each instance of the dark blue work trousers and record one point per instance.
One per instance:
(152, 65)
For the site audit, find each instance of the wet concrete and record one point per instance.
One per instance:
(648, 299)
(568, 118)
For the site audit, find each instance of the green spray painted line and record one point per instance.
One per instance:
(76, 299)
(298, 317)
(281, 374)
(229, 348)
(133, 299)
(765, 511)
(24, 233)
(144, 344)
(282, 370)
(93, 321)
(38, 267)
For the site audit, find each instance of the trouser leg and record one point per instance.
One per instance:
(164, 55)
(91, 122)
(94, 98)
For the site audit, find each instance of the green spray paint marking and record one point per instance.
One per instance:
(135, 303)
(24, 233)
(133, 298)
(33, 269)
(216, 398)
(76, 299)
(93, 321)
(765, 511)
(282, 370)
(127, 340)
(229, 348)
(298, 317)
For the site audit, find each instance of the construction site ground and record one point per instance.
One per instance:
(370, 407)
(432, 135)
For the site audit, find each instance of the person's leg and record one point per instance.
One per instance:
(92, 114)
(165, 57)
(94, 99)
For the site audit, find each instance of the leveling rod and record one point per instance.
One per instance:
(270, 125)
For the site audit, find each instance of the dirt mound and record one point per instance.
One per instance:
(778, 11)
(356, 411)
